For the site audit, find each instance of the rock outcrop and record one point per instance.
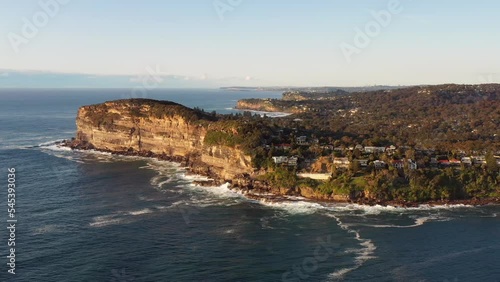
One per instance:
(269, 105)
(160, 128)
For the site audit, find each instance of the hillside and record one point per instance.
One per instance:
(466, 116)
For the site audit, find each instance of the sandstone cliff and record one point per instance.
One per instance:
(206, 144)
(268, 105)
(159, 128)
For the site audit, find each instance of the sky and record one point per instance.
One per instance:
(214, 43)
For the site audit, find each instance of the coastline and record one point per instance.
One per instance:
(258, 190)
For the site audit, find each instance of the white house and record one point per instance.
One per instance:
(341, 162)
(292, 161)
(379, 164)
(399, 164)
(302, 140)
(466, 161)
(479, 159)
(359, 147)
(362, 163)
(370, 149)
(280, 159)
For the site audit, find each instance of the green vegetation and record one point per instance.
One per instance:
(447, 117)
(442, 122)
(100, 117)
(282, 178)
(216, 138)
(243, 134)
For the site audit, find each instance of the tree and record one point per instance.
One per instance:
(354, 167)
(491, 164)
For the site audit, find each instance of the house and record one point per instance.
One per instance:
(444, 163)
(379, 164)
(302, 140)
(338, 149)
(434, 161)
(341, 162)
(455, 162)
(374, 149)
(412, 164)
(398, 164)
(280, 160)
(466, 161)
(362, 163)
(478, 160)
(359, 147)
(292, 161)
(390, 150)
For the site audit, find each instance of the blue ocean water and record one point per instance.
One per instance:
(86, 216)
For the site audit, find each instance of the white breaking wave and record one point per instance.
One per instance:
(106, 220)
(51, 228)
(192, 177)
(55, 147)
(298, 207)
(15, 147)
(378, 209)
(363, 254)
(419, 221)
(50, 143)
(167, 172)
(122, 217)
(222, 191)
(139, 212)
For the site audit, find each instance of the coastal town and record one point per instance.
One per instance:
(367, 158)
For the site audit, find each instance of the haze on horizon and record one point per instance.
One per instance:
(213, 43)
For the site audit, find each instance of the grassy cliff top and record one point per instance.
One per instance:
(148, 108)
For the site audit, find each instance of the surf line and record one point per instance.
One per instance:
(364, 254)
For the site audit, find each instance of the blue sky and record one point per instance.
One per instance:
(212, 43)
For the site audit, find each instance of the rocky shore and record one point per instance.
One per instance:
(261, 190)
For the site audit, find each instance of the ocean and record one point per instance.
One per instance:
(88, 216)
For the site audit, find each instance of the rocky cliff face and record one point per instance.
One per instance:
(264, 105)
(159, 128)
(269, 105)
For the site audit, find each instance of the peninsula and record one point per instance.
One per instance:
(405, 146)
